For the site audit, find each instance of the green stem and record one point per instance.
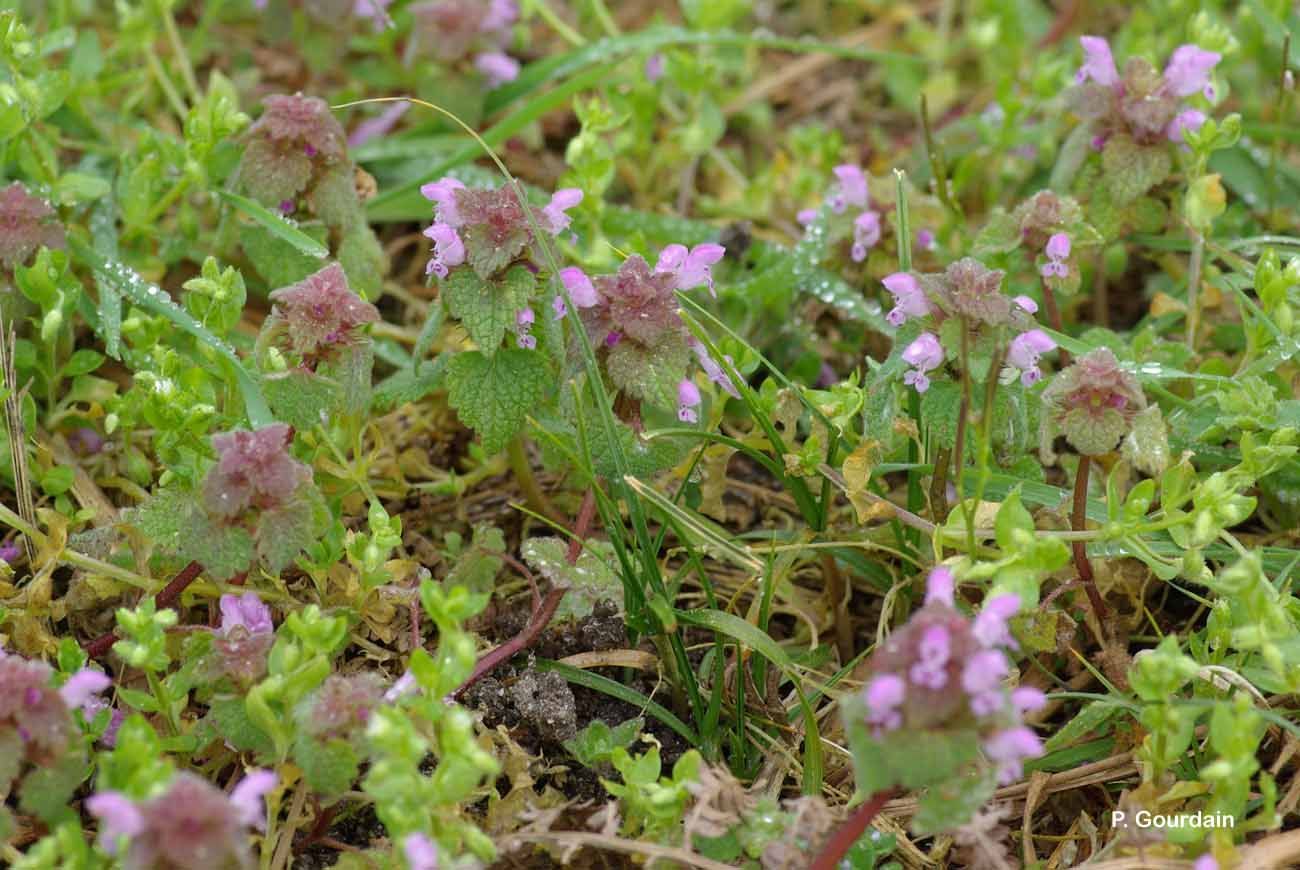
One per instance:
(522, 469)
(164, 706)
(556, 23)
(1194, 289)
(182, 56)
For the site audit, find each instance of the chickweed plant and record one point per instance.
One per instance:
(467, 433)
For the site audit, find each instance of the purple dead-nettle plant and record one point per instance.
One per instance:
(944, 673)
(457, 32)
(317, 318)
(1140, 102)
(295, 142)
(634, 324)
(193, 825)
(1092, 403)
(420, 852)
(242, 642)
(36, 719)
(27, 223)
(253, 470)
(969, 295)
(487, 228)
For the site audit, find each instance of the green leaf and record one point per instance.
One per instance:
(47, 791)
(649, 373)
(302, 398)
(1132, 169)
(1090, 717)
(951, 804)
(276, 225)
(229, 718)
(487, 307)
(330, 766)
(595, 744)
(493, 395)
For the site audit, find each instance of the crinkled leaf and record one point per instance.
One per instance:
(284, 532)
(277, 261)
(351, 370)
(649, 373)
(229, 718)
(46, 791)
(487, 307)
(330, 766)
(1133, 169)
(301, 398)
(953, 803)
(493, 395)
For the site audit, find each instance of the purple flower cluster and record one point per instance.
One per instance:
(943, 671)
(453, 30)
(254, 469)
(319, 315)
(26, 224)
(634, 311)
(343, 704)
(193, 825)
(970, 290)
(1142, 103)
(241, 644)
(489, 229)
(36, 711)
(852, 196)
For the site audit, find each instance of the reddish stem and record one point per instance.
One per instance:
(848, 833)
(585, 514)
(540, 619)
(165, 598)
(1079, 522)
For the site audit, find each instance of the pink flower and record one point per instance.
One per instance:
(1205, 862)
(500, 15)
(924, 354)
(866, 233)
(403, 686)
(497, 67)
(690, 268)
(806, 216)
(1008, 750)
(443, 193)
(553, 215)
(688, 399)
(909, 298)
(883, 695)
(1024, 353)
(939, 586)
(1026, 304)
(581, 290)
(380, 124)
(1058, 251)
(245, 611)
(375, 10)
(1027, 699)
(712, 370)
(246, 799)
(981, 678)
(118, 817)
(1189, 70)
(1098, 64)
(925, 240)
(524, 327)
(1186, 120)
(10, 551)
(931, 668)
(448, 249)
(990, 626)
(26, 223)
(420, 852)
(654, 67)
(852, 190)
(82, 686)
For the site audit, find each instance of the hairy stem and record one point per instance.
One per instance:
(1194, 289)
(536, 625)
(1079, 522)
(848, 833)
